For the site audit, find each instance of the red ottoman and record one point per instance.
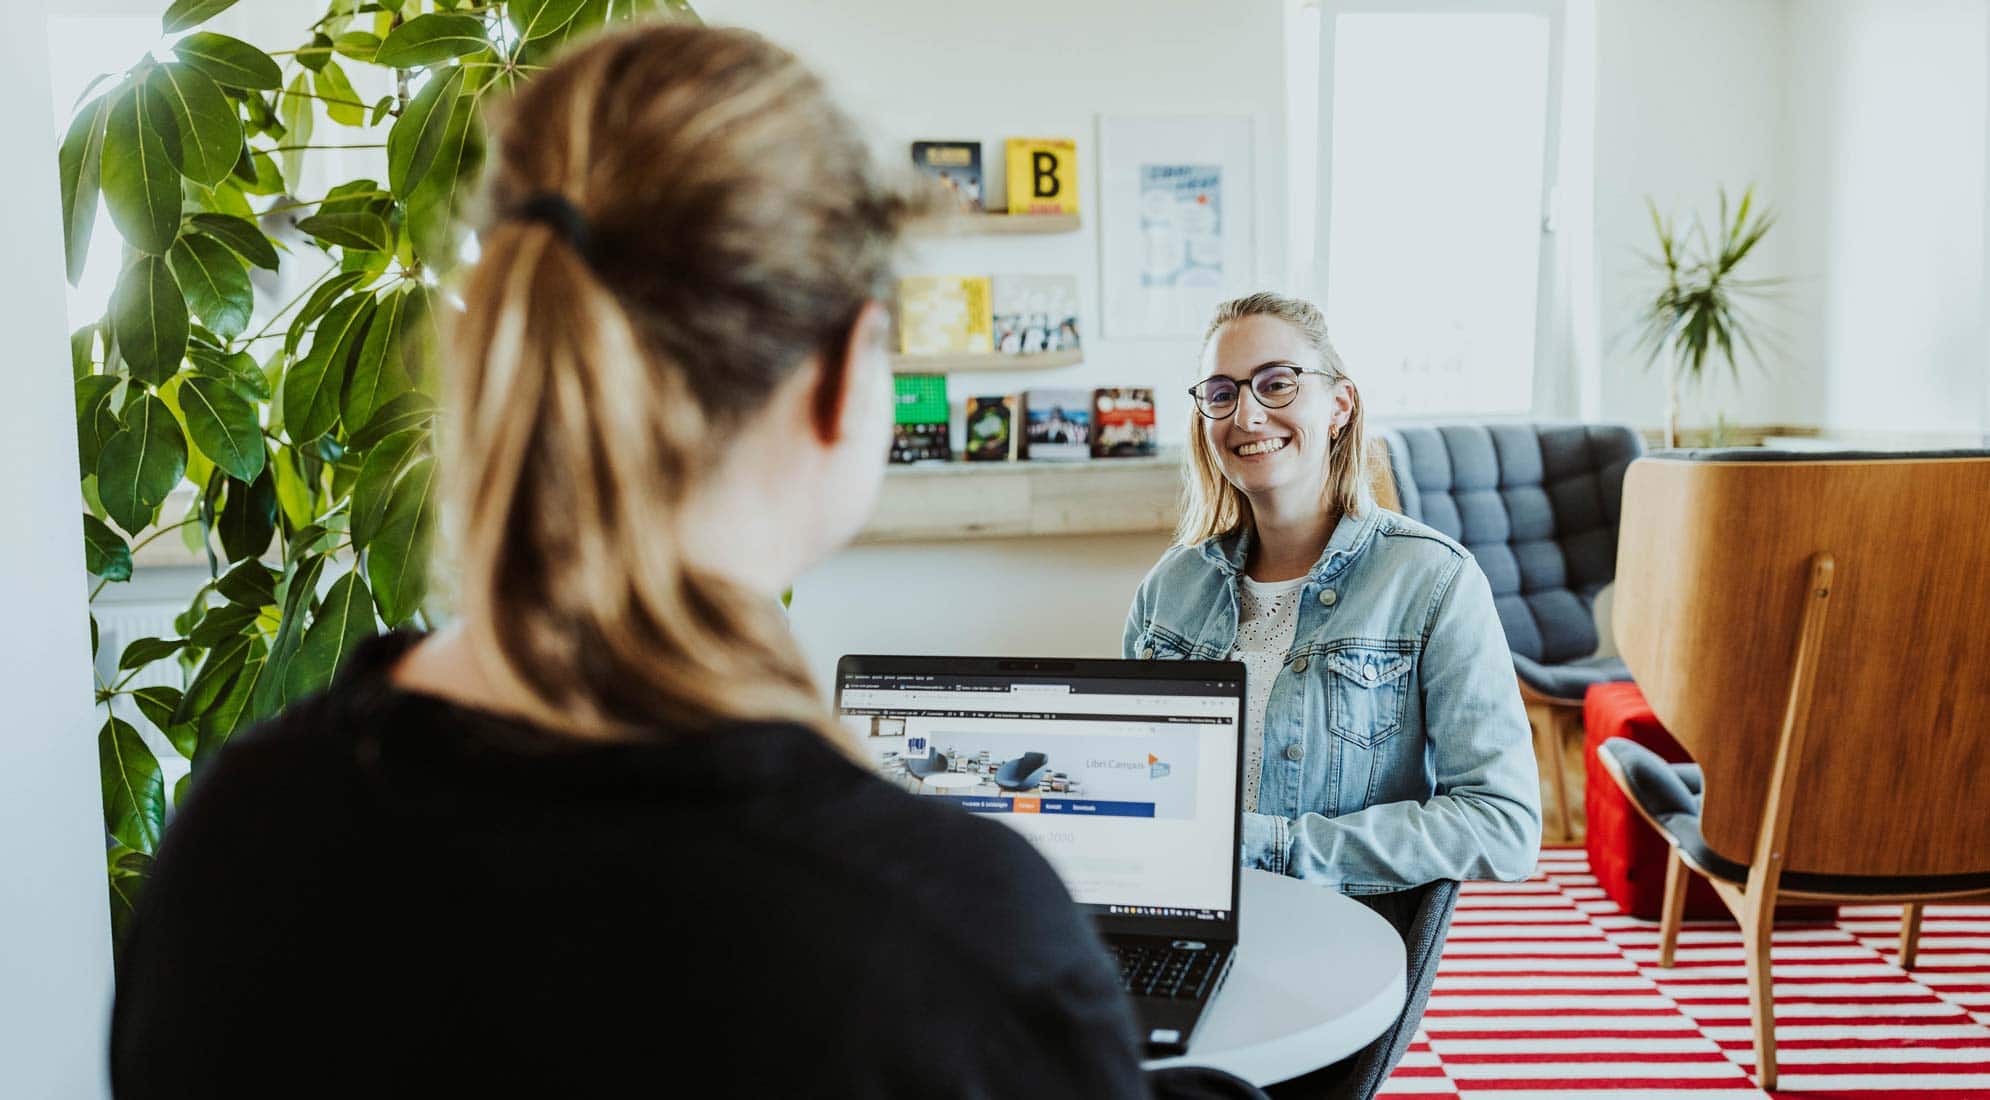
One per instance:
(1625, 853)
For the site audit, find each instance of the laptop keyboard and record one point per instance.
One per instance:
(1163, 971)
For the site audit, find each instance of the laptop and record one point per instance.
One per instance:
(1126, 775)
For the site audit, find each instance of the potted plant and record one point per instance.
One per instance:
(1698, 313)
(297, 435)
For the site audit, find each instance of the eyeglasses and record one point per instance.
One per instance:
(1275, 385)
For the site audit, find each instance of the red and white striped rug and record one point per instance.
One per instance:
(1546, 989)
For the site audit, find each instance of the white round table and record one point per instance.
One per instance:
(1317, 977)
(949, 781)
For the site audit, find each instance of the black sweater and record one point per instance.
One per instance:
(384, 894)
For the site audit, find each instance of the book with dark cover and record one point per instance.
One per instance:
(1123, 422)
(1058, 424)
(991, 430)
(957, 167)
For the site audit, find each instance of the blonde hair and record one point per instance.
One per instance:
(731, 226)
(1211, 506)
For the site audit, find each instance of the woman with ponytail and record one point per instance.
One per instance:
(1386, 747)
(600, 836)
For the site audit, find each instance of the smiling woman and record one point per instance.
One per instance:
(1386, 747)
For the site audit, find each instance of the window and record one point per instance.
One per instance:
(1439, 149)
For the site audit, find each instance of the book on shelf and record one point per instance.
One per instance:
(954, 165)
(1042, 175)
(939, 314)
(991, 430)
(1057, 424)
(1123, 422)
(1034, 314)
(919, 419)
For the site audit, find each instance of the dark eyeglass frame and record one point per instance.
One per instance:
(1251, 384)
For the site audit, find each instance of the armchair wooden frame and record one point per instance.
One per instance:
(1554, 722)
(1820, 696)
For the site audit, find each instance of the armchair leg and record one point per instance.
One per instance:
(1548, 744)
(1676, 878)
(1910, 933)
(1756, 928)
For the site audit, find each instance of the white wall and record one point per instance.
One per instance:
(55, 964)
(1042, 68)
(1690, 94)
(1886, 148)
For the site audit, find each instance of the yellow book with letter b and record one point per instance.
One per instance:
(1043, 176)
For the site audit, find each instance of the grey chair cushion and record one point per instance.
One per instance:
(1671, 793)
(1570, 680)
(1537, 505)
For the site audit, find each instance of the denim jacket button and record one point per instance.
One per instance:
(1368, 674)
(1299, 665)
(1327, 597)
(1295, 752)
(1147, 654)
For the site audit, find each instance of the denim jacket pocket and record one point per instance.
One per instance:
(1368, 688)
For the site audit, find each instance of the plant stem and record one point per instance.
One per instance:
(286, 306)
(287, 148)
(326, 98)
(135, 548)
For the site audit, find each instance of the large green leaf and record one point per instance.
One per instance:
(382, 470)
(432, 203)
(215, 283)
(312, 389)
(144, 651)
(342, 103)
(358, 45)
(81, 160)
(298, 117)
(96, 417)
(377, 374)
(223, 426)
(417, 135)
(207, 134)
(227, 715)
(134, 788)
(141, 463)
(428, 39)
(104, 553)
(212, 679)
(236, 370)
(157, 703)
(248, 517)
(240, 235)
(365, 231)
(410, 410)
(298, 591)
(539, 18)
(128, 872)
(250, 583)
(397, 558)
(191, 13)
(222, 624)
(344, 620)
(149, 314)
(141, 186)
(229, 61)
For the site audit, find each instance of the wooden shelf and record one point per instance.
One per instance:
(946, 225)
(948, 501)
(990, 360)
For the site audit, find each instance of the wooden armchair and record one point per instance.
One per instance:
(1815, 632)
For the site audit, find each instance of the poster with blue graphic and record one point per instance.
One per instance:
(1181, 225)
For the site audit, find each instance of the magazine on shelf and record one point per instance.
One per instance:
(939, 314)
(991, 430)
(1042, 176)
(1035, 314)
(919, 419)
(1057, 424)
(956, 166)
(1123, 422)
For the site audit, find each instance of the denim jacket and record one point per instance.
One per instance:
(1396, 747)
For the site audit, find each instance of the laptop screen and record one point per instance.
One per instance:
(1123, 774)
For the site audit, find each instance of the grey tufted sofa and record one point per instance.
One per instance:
(1537, 504)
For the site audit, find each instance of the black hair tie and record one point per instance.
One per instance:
(552, 209)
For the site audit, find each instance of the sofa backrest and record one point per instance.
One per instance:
(1536, 504)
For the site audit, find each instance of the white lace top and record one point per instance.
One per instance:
(1267, 619)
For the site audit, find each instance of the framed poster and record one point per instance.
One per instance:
(1178, 236)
